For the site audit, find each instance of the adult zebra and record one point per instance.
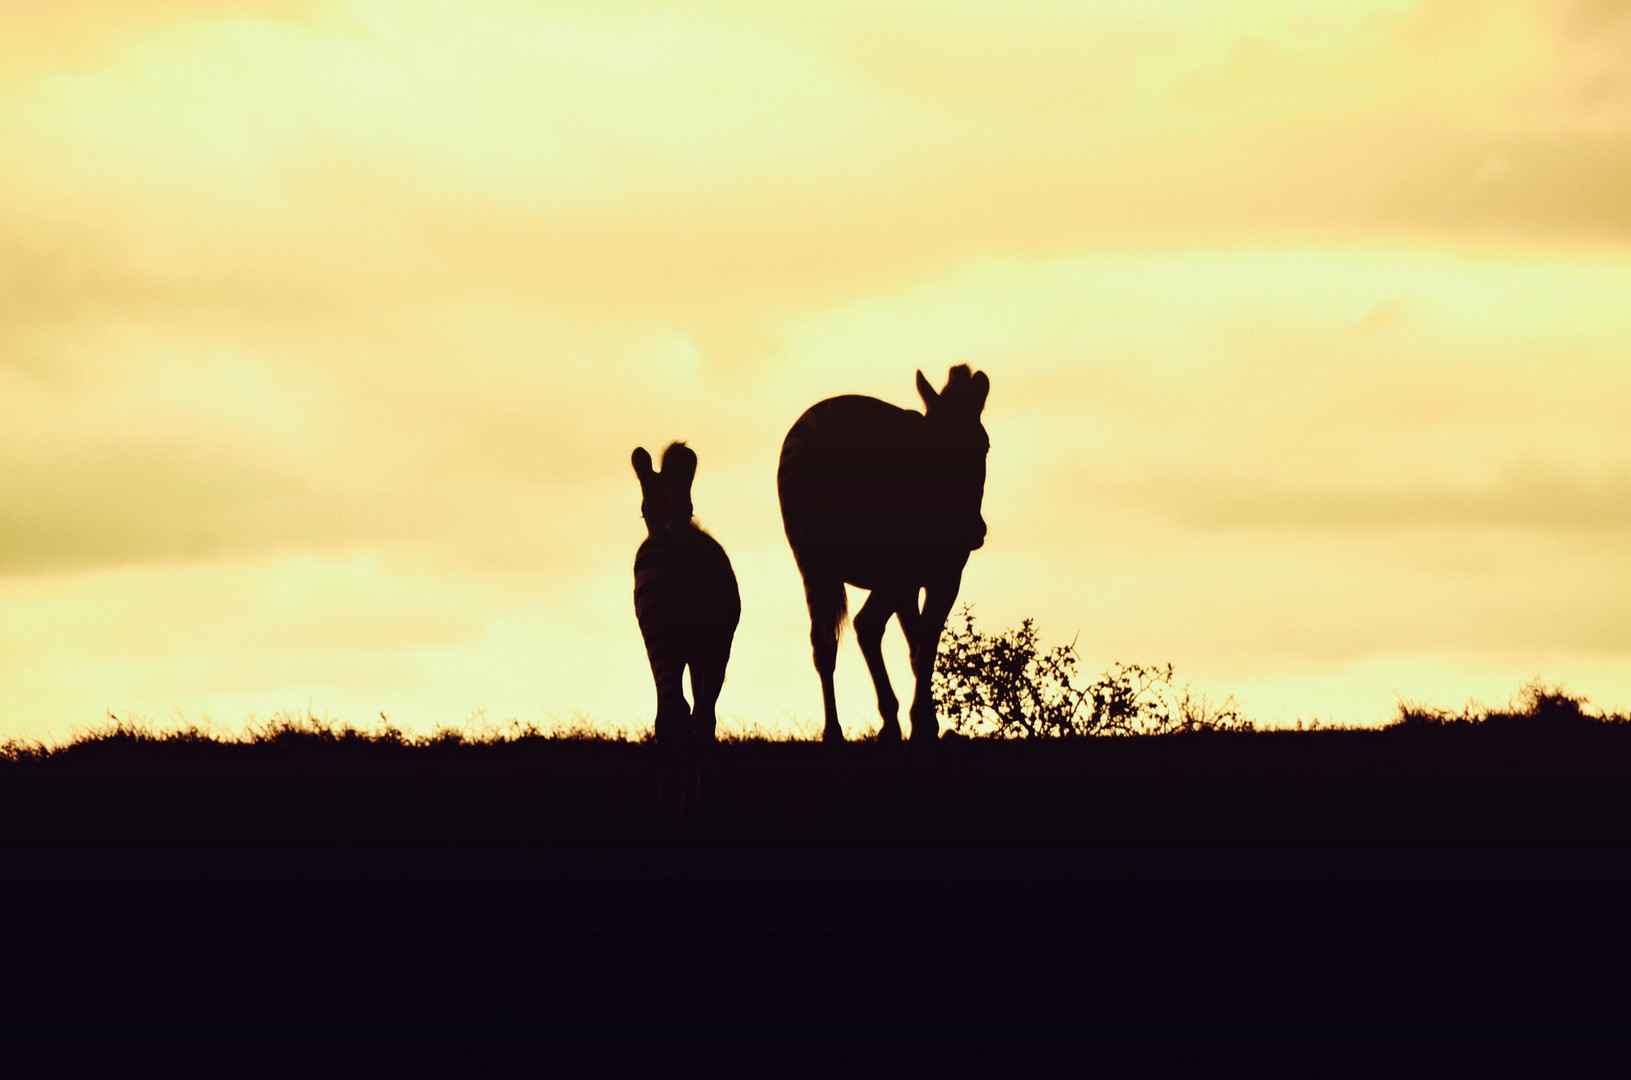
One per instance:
(886, 499)
(687, 604)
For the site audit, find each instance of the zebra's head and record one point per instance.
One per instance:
(960, 445)
(665, 497)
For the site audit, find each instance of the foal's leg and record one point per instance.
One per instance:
(870, 623)
(673, 712)
(923, 640)
(707, 679)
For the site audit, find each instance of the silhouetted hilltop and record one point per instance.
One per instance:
(1546, 769)
(1431, 881)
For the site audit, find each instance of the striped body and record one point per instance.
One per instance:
(687, 604)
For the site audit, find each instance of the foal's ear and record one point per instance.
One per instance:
(642, 465)
(926, 392)
(680, 466)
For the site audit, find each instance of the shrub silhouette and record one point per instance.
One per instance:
(1008, 686)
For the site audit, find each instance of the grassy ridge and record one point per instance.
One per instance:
(1448, 877)
(1539, 711)
(1547, 771)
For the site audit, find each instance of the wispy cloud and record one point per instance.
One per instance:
(1535, 498)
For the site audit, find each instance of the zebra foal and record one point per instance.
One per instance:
(687, 604)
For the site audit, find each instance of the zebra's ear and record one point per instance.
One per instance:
(926, 392)
(642, 465)
(982, 390)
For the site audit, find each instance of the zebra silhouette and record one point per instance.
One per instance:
(886, 499)
(687, 604)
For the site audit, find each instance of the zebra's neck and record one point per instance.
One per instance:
(678, 535)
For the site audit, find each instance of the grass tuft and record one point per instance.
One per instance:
(1539, 709)
(288, 732)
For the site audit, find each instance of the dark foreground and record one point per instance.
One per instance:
(1378, 886)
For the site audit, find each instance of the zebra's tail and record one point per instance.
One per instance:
(829, 607)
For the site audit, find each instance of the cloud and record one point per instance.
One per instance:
(119, 504)
(1533, 498)
(711, 168)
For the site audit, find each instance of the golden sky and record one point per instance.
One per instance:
(326, 330)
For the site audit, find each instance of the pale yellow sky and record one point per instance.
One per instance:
(326, 329)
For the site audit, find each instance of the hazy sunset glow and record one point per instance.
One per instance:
(326, 331)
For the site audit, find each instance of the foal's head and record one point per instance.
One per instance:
(960, 445)
(665, 497)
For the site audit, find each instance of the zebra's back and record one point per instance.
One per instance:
(865, 482)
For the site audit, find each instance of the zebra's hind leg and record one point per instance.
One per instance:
(707, 679)
(673, 724)
(674, 751)
(827, 604)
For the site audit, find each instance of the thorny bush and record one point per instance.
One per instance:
(1007, 685)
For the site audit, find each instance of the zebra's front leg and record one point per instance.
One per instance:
(870, 623)
(923, 641)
